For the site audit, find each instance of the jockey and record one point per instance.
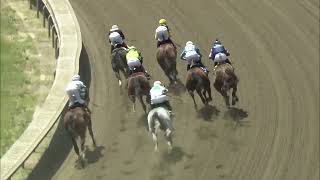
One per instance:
(75, 91)
(135, 60)
(162, 34)
(116, 38)
(192, 53)
(158, 96)
(218, 53)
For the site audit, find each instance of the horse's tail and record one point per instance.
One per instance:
(71, 124)
(137, 87)
(197, 80)
(232, 76)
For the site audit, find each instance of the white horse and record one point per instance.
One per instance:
(159, 118)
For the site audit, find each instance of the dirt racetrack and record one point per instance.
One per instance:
(272, 134)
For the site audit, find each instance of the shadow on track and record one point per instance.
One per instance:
(236, 115)
(208, 113)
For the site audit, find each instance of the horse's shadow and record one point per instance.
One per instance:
(178, 88)
(174, 156)
(235, 114)
(208, 113)
(92, 156)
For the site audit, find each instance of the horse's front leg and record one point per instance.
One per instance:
(91, 133)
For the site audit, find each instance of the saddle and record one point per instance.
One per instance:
(167, 42)
(136, 74)
(119, 47)
(202, 68)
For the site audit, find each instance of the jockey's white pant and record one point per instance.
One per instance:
(74, 97)
(159, 99)
(133, 63)
(220, 57)
(115, 38)
(162, 33)
(192, 56)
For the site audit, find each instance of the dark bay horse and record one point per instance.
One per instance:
(76, 122)
(166, 57)
(226, 79)
(199, 81)
(138, 86)
(119, 63)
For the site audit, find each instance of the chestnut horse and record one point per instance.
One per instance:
(76, 121)
(225, 80)
(166, 57)
(138, 86)
(199, 81)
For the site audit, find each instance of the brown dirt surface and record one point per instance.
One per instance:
(272, 134)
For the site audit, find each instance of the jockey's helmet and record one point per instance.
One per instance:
(156, 83)
(132, 47)
(216, 42)
(76, 78)
(162, 22)
(189, 43)
(114, 27)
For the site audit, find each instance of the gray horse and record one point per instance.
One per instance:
(159, 118)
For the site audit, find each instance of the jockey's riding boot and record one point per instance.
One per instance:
(87, 110)
(228, 61)
(145, 73)
(167, 103)
(188, 67)
(112, 48)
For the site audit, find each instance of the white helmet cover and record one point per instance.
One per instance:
(157, 83)
(76, 78)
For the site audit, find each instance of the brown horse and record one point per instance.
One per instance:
(199, 81)
(119, 63)
(225, 80)
(76, 122)
(166, 57)
(138, 86)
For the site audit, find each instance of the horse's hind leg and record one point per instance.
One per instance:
(208, 90)
(133, 99)
(194, 101)
(234, 95)
(91, 133)
(201, 96)
(117, 73)
(143, 105)
(223, 93)
(74, 142)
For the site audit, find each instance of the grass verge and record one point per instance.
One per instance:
(19, 78)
